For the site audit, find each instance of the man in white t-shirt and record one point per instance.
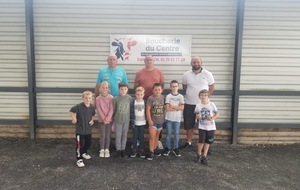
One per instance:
(193, 81)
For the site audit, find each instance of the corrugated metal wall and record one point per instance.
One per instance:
(72, 42)
(13, 60)
(270, 61)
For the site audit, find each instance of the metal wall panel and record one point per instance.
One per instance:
(271, 45)
(13, 70)
(270, 61)
(14, 105)
(72, 40)
(13, 60)
(269, 109)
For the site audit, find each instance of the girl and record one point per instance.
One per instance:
(104, 106)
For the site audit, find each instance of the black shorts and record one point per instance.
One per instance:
(206, 136)
(189, 116)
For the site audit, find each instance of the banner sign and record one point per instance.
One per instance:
(166, 49)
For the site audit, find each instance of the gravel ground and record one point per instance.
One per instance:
(50, 164)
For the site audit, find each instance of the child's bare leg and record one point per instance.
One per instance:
(200, 147)
(152, 137)
(156, 138)
(206, 147)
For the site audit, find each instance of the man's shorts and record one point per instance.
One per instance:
(189, 116)
(206, 136)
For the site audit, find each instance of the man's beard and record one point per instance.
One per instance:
(194, 68)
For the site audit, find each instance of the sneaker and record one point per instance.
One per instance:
(198, 159)
(119, 154)
(187, 145)
(150, 156)
(106, 153)
(86, 156)
(167, 152)
(142, 154)
(133, 155)
(204, 160)
(160, 145)
(157, 152)
(101, 155)
(80, 163)
(176, 152)
(123, 154)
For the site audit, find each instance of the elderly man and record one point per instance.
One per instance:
(193, 81)
(112, 74)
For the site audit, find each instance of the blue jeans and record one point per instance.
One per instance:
(175, 126)
(138, 134)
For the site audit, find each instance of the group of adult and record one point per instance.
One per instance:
(193, 80)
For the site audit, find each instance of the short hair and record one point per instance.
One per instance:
(87, 93)
(157, 84)
(123, 84)
(140, 89)
(204, 91)
(174, 81)
(103, 83)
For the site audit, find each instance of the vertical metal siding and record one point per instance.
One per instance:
(72, 40)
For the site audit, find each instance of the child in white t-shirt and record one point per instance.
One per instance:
(206, 113)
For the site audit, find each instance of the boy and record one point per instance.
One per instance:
(83, 116)
(121, 118)
(174, 107)
(206, 113)
(138, 122)
(155, 115)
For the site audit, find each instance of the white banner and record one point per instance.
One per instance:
(166, 49)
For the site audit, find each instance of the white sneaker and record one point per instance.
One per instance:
(106, 153)
(160, 145)
(86, 156)
(101, 155)
(80, 163)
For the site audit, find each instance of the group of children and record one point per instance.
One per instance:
(121, 112)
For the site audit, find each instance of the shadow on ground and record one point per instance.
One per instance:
(50, 164)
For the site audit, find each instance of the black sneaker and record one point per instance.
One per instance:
(167, 152)
(157, 153)
(176, 152)
(187, 145)
(119, 154)
(204, 160)
(150, 156)
(142, 153)
(123, 154)
(133, 155)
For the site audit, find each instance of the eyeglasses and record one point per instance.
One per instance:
(203, 94)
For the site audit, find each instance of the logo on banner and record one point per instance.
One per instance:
(123, 52)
